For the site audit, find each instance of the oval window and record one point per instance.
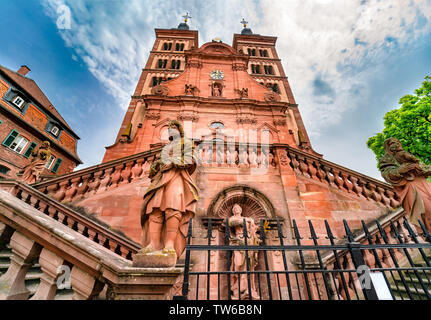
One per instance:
(217, 125)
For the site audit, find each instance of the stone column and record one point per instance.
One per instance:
(12, 283)
(49, 263)
(85, 286)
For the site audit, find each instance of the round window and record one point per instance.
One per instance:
(217, 125)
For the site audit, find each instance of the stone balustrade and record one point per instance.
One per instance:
(32, 234)
(72, 219)
(95, 179)
(336, 176)
(219, 153)
(76, 185)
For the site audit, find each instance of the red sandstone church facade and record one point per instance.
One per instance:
(251, 105)
(235, 102)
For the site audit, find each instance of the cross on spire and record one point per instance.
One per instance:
(186, 17)
(244, 22)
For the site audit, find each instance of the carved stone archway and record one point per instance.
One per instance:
(254, 204)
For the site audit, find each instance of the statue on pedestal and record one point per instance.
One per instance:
(169, 202)
(408, 176)
(31, 173)
(239, 262)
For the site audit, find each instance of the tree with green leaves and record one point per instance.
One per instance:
(410, 124)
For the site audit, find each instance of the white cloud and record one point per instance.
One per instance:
(325, 42)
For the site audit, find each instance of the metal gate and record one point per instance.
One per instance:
(388, 260)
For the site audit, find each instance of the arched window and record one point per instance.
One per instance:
(216, 125)
(182, 47)
(177, 47)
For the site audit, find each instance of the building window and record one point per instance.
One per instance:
(217, 125)
(268, 69)
(56, 165)
(3, 169)
(175, 64)
(18, 144)
(50, 162)
(30, 149)
(55, 131)
(162, 64)
(255, 68)
(167, 46)
(251, 52)
(18, 101)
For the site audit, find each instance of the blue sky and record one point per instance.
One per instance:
(348, 62)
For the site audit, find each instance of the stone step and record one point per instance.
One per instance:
(418, 294)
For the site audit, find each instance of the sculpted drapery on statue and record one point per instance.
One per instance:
(408, 176)
(239, 287)
(31, 173)
(170, 200)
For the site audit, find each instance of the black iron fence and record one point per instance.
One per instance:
(240, 261)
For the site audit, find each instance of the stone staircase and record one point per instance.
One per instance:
(413, 283)
(32, 278)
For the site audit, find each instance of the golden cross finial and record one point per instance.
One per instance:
(244, 22)
(186, 17)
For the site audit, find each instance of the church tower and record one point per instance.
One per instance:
(249, 75)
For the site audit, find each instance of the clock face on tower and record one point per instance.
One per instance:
(217, 74)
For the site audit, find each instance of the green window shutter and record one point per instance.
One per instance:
(10, 138)
(30, 149)
(56, 165)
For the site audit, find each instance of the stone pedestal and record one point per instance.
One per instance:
(146, 284)
(155, 259)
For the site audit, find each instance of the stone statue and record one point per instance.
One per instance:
(190, 89)
(408, 176)
(169, 202)
(239, 262)
(216, 89)
(31, 172)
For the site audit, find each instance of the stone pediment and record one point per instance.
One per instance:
(216, 48)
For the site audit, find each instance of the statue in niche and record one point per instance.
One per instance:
(31, 173)
(232, 155)
(169, 202)
(407, 174)
(239, 285)
(216, 89)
